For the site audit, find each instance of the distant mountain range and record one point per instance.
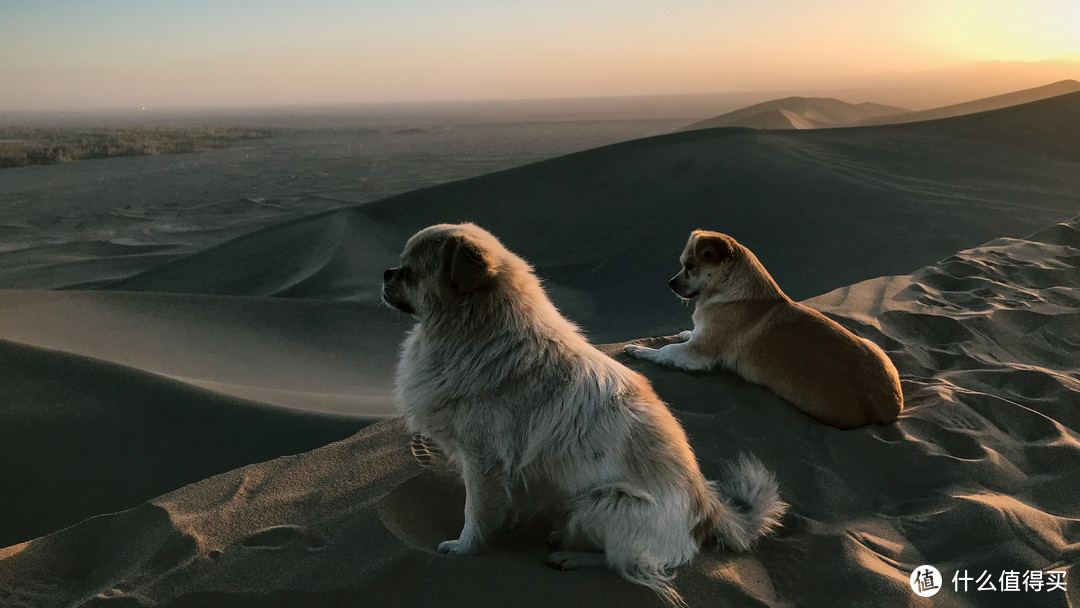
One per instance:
(824, 112)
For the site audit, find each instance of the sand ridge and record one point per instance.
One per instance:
(93, 437)
(333, 358)
(799, 113)
(996, 102)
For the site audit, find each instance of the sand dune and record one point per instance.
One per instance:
(131, 382)
(996, 102)
(79, 224)
(817, 112)
(949, 85)
(980, 473)
(798, 113)
(81, 437)
(1002, 173)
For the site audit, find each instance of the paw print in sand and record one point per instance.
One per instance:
(426, 452)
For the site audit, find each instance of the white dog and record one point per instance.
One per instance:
(517, 397)
(744, 323)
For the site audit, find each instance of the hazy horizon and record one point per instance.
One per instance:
(119, 54)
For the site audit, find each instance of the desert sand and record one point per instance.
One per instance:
(217, 430)
(1063, 87)
(803, 113)
(826, 112)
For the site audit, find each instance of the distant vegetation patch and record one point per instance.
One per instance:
(22, 146)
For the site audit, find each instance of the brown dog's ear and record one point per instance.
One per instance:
(470, 266)
(714, 247)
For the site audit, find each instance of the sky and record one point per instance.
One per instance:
(76, 54)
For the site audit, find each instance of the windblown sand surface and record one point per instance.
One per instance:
(216, 397)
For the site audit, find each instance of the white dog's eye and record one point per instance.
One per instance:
(688, 266)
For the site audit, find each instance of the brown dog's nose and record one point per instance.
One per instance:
(389, 274)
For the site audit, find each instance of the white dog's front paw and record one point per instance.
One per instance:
(634, 350)
(685, 335)
(456, 547)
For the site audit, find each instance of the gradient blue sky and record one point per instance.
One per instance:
(122, 53)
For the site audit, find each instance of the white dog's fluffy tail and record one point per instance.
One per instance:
(655, 577)
(745, 506)
(739, 511)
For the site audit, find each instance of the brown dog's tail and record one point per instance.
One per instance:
(743, 508)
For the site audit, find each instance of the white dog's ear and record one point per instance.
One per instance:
(714, 247)
(471, 267)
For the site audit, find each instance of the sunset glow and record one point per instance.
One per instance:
(1002, 31)
(131, 54)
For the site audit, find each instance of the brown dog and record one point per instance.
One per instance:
(744, 323)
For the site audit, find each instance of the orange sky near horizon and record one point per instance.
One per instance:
(122, 53)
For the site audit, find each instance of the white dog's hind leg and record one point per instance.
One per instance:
(685, 335)
(642, 538)
(680, 356)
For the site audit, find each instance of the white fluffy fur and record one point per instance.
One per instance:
(514, 393)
